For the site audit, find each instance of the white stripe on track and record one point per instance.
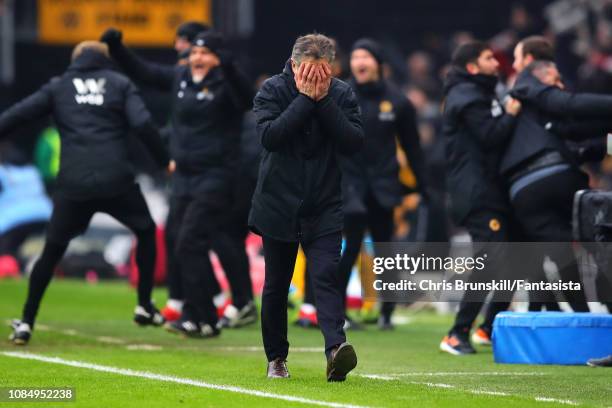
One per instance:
(177, 380)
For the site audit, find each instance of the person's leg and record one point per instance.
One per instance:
(69, 219)
(232, 254)
(544, 209)
(354, 230)
(380, 224)
(484, 227)
(280, 261)
(173, 222)
(131, 210)
(199, 226)
(323, 257)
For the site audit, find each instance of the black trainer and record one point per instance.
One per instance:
(22, 332)
(151, 317)
(189, 328)
(234, 317)
(600, 362)
(457, 345)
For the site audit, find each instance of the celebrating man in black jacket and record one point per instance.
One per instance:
(543, 174)
(305, 118)
(210, 96)
(370, 183)
(476, 127)
(94, 108)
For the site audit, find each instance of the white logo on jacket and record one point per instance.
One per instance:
(89, 91)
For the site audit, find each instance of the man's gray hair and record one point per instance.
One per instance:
(314, 46)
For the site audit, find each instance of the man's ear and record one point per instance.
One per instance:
(528, 59)
(294, 66)
(472, 68)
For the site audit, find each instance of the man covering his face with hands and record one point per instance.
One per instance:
(305, 118)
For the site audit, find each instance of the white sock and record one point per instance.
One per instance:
(175, 304)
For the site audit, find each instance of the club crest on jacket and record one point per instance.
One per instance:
(386, 111)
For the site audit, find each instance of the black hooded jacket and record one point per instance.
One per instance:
(94, 107)
(388, 117)
(298, 194)
(205, 123)
(475, 129)
(548, 116)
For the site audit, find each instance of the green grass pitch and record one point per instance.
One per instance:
(91, 324)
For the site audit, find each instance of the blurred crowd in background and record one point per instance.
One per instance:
(580, 29)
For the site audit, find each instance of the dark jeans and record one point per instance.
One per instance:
(322, 256)
(544, 210)
(71, 218)
(484, 226)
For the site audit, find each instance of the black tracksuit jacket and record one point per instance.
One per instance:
(388, 118)
(548, 116)
(206, 120)
(94, 107)
(298, 195)
(475, 129)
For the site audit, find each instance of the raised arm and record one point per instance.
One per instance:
(560, 102)
(241, 89)
(139, 119)
(155, 75)
(32, 107)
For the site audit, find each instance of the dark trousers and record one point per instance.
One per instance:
(322, 256)
(228, 245)
(491, 227)
(71, 218)
(379, 221)
(199, 220)
(544, 210)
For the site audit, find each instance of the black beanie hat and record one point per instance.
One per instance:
(370, 46)
(210, 39)
(190, 29)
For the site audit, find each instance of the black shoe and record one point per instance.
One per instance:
(600, 362)
(234, 318)
(189, 328)
(150, 317)
(341, 361)
(457, 345)
(22, 332)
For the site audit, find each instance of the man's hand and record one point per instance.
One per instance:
(323, 81)
(112, 37)
(305, 79)
(171, 167)
(512, 106)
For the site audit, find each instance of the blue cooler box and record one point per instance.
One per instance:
(551, 337)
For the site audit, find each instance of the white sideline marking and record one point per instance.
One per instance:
(177, 380)
(558, 401)
(144, 347)
(391, 377)
(467, 373)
